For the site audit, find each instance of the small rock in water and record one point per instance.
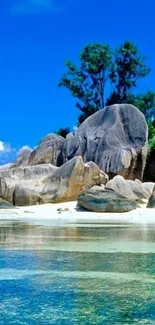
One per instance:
(63, 210)
(28, 211)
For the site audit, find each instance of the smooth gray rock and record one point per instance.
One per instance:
(26, 195)
(133, 190)
(6, 166)
(28, 172)
(5, 205)
(69, 180)
(46, 183)
(98, 199)
(23, 157)
(6, 189)
(115, 138)
(30, 178)
(47, 151)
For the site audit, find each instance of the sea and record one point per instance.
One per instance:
(76, 274)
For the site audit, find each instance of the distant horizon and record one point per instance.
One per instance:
(36, 39)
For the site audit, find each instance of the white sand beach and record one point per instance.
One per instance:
(73, 215)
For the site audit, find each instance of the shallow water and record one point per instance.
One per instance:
(76, 275)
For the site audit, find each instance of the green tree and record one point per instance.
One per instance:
(63, 132)
(151, 138)
(144, 102)
(100, 65)
(87, 83)
(128, 67)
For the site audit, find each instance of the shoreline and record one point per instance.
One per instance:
(73, 216)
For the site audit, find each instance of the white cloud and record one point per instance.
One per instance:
(1, 146)
(35, 6)
(5, 148)
(7, 152)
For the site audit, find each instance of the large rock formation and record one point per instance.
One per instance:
(47, 151)
(46, 183)
(23, 157)
(6, 166)
(69, 180)
(133, 190)
(115, 138)
(113, 141)
(27, 177)
(98, 199)
(28, 173)
(27, 194)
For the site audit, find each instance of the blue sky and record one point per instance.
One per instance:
(36, 37)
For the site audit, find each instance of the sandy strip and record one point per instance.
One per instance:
(75, 216)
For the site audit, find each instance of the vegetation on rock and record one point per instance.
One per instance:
(63, 132)
(102, 68)
(87, 83)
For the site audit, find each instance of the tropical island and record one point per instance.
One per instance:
(107, 163)
(77, 162)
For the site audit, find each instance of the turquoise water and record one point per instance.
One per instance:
(76, 275)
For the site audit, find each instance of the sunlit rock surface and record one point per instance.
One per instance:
(115, 138)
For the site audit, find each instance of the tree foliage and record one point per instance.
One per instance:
(87, 83)
(128, 67)
(63, 132)
(119, 69)
(145, 102)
